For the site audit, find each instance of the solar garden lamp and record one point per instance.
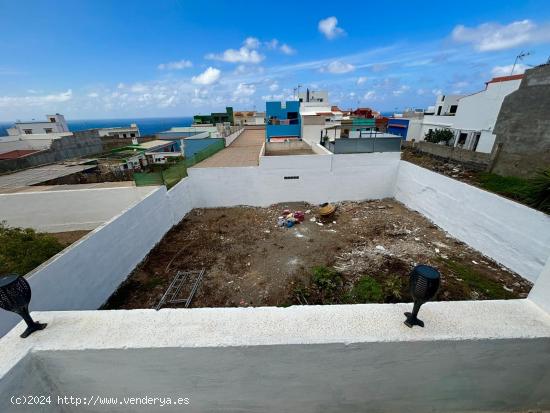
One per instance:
(423, 285)
(15, 296)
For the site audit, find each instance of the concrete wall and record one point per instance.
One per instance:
(477, 160)
(365, 145)
(512, 234)
(229, 139)
(69, 210)
(320, 179)
(59, 149)
(522, 145)
(84, 275)
(472, 356)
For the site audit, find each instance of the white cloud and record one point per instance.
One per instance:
(420, 92)
(401, 90)
(494, 36)
(274, 87)
(246, 54)
(93, 95)
(329, 27)
(286, 49)
(251, 43)
(507, 70)
(180, 64)
(362, 79)
(209, 76)
(338, 67)
(36, 100)
(437, 92)
(370, 95)
(244, 90)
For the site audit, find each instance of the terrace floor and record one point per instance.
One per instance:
(364, 253)
(244, 151)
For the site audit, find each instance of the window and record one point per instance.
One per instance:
(462, 138)
(123, 135)
(439, 110)
(48, 130)
(52, 120)
(443, 98)
(27, 131)
(132, 135)
(453, 108)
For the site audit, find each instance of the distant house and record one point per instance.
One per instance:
(471, 118)
(283, 121)
(54, 124)
(215, 117)
(131, 131)
(244, 118)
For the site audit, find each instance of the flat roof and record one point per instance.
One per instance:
(244, 151)
(18, 153)
(41, 174)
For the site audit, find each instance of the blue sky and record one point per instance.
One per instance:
(109, 59)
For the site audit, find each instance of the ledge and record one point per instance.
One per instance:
(237, 327)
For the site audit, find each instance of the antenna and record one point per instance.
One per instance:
(520, 56)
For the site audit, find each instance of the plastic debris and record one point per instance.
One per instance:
(380, 248)
(475, 262)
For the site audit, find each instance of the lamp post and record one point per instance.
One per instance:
(423, 285)
(15, 296)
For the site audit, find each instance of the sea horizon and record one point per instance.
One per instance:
(146, 125)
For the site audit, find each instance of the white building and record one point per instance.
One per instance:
(317, 115)
(55, 124)
(131, 131)
(471, 117)
(250, 117)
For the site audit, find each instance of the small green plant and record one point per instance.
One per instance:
(539, 193)
(439, 135)
(326, 279)
(509, 186)
(393, 287)
(367, 290)
(23, 249)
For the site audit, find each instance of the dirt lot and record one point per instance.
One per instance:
(363, 254)
(69, 237)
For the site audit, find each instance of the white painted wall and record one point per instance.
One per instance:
(321, 179)
(229, 139)
(84, 275)
(510, 233)
(487, 356)
(29, 142)
(70, 210)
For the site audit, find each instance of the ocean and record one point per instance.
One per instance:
(147, 126)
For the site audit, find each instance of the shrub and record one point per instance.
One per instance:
(439, 135)
(326, 279)
(393, 287)
(510, 186)
(23, 249)
(539, 191)
(367, 290)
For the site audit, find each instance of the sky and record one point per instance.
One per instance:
(91, 59)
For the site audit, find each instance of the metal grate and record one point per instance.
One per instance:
(181, 280)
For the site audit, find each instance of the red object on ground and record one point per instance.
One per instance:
(19, 153)
(299, 215)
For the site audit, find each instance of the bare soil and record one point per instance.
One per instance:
(68, 237)
(250, 261)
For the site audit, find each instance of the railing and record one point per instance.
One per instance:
(171, 174)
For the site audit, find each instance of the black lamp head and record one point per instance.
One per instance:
(15, 296)
(423, 285)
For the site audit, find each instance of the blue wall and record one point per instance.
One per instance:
(398, 127)
(275, 110)
(192, 146)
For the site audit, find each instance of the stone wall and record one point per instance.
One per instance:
(475, 160)
(63, 148)
(522, 145)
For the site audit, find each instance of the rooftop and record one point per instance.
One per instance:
(33, 176)
(20, 153)
(243, 151)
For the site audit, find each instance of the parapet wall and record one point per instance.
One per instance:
(512, 234)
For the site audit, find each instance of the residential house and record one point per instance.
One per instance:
(283, 121)
(215, 117)
(118, 132)
(54, 124)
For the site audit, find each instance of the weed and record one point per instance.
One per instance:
(326, 279)
(23, 249)
(367, 290)
(393, 287)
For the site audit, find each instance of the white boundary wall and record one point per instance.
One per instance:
(512, 234)
(68, 210)
(83, 276)
(320, 179)
(230, 138)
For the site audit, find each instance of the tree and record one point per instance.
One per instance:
(439, 135)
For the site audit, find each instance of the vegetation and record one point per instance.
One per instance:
(23, 249)
(534, 192)
(328, 280)
(439, 135)
(393, 288)
(367, 290)
(478, 282)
